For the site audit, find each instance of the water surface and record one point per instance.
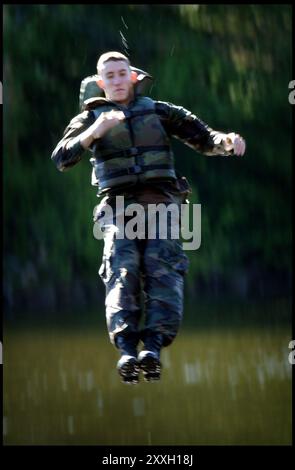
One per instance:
(220, 385)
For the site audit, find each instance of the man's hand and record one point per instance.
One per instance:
(103, 123)
(236, 143)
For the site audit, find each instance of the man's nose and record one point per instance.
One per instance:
(117, 80)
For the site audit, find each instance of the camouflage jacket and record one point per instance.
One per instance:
(176, 121)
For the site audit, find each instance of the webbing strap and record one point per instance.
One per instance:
(132, 170)
(134, 151)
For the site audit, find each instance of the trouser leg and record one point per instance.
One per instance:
(120, 274)
(165, 264)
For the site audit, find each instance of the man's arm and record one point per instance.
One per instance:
(185, 126)
(69, 149)
(80, 134)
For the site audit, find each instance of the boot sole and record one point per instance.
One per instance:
(151, 368)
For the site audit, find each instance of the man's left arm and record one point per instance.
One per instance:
(192, 131)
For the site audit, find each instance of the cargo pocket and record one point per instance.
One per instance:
(171, 256)
(180, 261)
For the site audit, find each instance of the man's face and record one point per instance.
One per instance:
(116, 81)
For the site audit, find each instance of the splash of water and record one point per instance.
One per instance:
(123, 38)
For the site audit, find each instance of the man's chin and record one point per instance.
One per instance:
(121, 97)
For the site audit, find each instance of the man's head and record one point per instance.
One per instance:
(116, 77)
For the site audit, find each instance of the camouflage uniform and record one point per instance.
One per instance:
(155, 267)
(130, 267)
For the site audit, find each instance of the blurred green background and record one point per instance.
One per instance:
(231, 66)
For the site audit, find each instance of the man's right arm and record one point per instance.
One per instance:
(80, 134)
(70, 148)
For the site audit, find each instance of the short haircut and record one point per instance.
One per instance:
(107, 56)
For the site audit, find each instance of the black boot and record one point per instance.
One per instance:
(127, 365)
(149, 357)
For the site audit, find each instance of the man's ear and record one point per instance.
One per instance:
(134, 76)
(100, 83)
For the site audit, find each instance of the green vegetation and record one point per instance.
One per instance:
(229, 64)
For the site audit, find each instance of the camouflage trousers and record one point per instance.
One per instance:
(142, 277)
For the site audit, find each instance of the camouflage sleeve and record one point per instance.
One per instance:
(69, 150)
(189, 129)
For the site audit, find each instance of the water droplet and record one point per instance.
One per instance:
(124, 22)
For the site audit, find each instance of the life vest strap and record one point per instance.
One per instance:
(133, 170)
(133, 152)
(129, 113)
